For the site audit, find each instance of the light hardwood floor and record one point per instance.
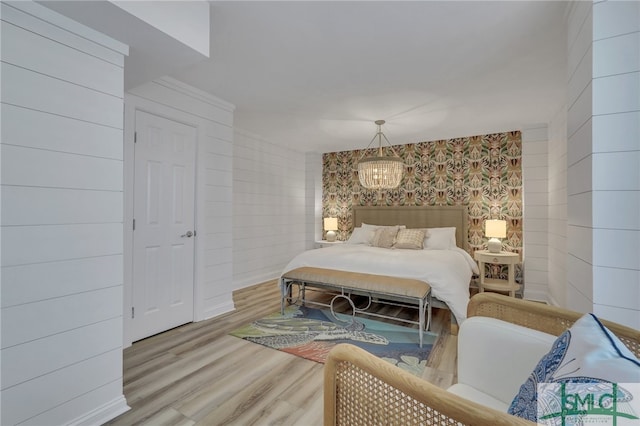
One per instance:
(199, 375)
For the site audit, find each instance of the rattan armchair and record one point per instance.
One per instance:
(361, 389)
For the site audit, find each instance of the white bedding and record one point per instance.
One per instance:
(447, 271)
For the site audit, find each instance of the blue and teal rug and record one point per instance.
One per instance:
(312, 333)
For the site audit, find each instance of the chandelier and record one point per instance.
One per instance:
(380, 172)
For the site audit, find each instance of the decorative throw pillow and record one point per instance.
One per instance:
(410, 239)
(441, 239)
(384, 237)
(586, 353)
(361, 236)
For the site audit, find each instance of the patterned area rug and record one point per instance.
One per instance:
(311, 333)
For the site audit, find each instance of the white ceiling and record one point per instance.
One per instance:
(314, 76)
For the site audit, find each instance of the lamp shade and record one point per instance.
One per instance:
(330, 223)
(495, 228)
(380, 172)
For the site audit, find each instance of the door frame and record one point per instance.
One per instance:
(132, 104)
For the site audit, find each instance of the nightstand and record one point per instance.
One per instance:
(325, 243)
(502, 258)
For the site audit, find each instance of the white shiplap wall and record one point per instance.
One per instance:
(213, 119)
(536, 202)
(313, 173)
(62, 192)
(616, 161)
(269, 200)
(557, 157)
(603, 153)
(579, 188)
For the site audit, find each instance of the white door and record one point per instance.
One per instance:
(163, 236)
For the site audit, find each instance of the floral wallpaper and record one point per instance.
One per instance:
(481, 172)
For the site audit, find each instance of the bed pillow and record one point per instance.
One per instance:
(364, 234)
(410, 239)
(385, 236)
(441, 239)
(361, 236)
(586, 353)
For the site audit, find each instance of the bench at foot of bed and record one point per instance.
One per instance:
(404, 292)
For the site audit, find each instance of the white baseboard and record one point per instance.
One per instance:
(102, 414)
(256, 279)
(218, 310)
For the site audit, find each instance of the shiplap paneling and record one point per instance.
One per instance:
(581, 77)
(25, 284)
(629, 317)
(580, 143)
(39, 357)
(616, 93)
(617, 55)
(48, 94)
(622, 218)
(616, 132)
(26, 205)
(60, 29)
(615, 18)
(579, 19)
(103, 411)
(616, 176)
(579, 112)
(57, 133)
(557, 210)
(38, 167)
(87, 308)
(60, 61)
(535, 199)
(269, 205)
(48, 243)
(602, 158)
(61, 219)
(623, 290)
(56, 388)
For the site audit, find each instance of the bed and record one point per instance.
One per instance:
(447, 271)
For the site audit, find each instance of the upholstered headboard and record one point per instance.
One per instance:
(417, 217)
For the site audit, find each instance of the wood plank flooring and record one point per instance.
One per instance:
(199, 375)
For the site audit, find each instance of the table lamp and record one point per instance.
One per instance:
(331, 226)
(495, 229)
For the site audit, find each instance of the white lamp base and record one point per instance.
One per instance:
(331, 236)
(494, 245)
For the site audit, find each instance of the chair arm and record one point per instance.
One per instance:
(361, 389)
(541, 317)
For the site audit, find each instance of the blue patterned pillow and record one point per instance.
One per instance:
(586, 353)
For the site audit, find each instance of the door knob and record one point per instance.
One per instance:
(189, 234)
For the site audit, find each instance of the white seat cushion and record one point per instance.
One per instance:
(495, 357)
(475, 395)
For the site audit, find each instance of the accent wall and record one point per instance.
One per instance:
(481, 172)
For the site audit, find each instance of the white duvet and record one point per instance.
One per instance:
(447, 271)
